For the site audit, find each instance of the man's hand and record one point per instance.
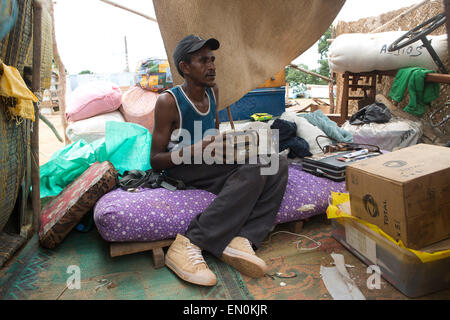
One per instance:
(220, 150)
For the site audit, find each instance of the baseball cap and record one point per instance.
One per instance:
(192, 43)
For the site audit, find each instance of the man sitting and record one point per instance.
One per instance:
(247, 202)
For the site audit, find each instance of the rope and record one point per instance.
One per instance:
(318, 244)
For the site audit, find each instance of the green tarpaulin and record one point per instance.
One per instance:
(126, 145)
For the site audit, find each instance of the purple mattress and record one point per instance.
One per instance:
(158, 214)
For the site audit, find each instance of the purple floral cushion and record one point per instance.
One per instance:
(157, 214)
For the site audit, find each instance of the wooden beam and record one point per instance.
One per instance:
(311, 73)
(130, 10)
(399, 16)
(62, 79)
(122, 248)
(437, 77)
(345, 97)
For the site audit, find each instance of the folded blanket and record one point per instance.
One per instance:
(329, 127)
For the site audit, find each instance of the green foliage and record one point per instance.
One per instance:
(323, 47)
(324, 44)
(86, 72)
(324, 68)
(295, 77)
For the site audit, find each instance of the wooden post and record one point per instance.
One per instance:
(62, 78)
(331, 93)
(230, 117)
(344, 100)
(373, 84)
(36, 87)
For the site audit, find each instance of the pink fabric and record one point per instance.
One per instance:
(138, 106)
(93, 98)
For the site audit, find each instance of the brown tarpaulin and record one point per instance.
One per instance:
(258, 38)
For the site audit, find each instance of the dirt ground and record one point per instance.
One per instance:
(299, 104)
(48, 142)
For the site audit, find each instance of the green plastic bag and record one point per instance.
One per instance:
(126, 145)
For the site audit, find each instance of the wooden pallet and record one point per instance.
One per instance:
(118, 249)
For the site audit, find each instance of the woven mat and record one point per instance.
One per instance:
(9, 243)
(38, 274)
(16, 49)
(13, 159)
(258, 38)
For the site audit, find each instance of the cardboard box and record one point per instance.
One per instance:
(406, 193)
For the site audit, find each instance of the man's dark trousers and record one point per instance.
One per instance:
(246, 202)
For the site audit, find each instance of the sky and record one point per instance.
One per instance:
(91, 34)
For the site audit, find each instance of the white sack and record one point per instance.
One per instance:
(363, 52)
(397, 133)
(92, 128)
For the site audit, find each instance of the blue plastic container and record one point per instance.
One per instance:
(270, 100)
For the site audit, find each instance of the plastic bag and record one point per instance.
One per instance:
(336, 209)
(154, 75)
(126, 145)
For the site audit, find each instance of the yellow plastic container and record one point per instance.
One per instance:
(399, 266)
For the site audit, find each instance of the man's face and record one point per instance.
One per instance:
(202, 68)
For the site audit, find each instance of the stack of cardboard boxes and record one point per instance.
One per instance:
(406, 194)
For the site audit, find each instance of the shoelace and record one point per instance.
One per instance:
(249, 246)
(195, 255)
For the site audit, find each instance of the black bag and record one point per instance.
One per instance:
(133, 179)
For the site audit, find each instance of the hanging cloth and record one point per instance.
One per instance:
(13, 86)
(421, 93)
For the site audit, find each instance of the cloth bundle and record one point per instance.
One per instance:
(13, 86)
(298, 147)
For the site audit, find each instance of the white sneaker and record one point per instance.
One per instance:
(186, 260)
(240, 255)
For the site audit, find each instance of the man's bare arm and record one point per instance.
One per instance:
(166, 117)
(166, 120)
